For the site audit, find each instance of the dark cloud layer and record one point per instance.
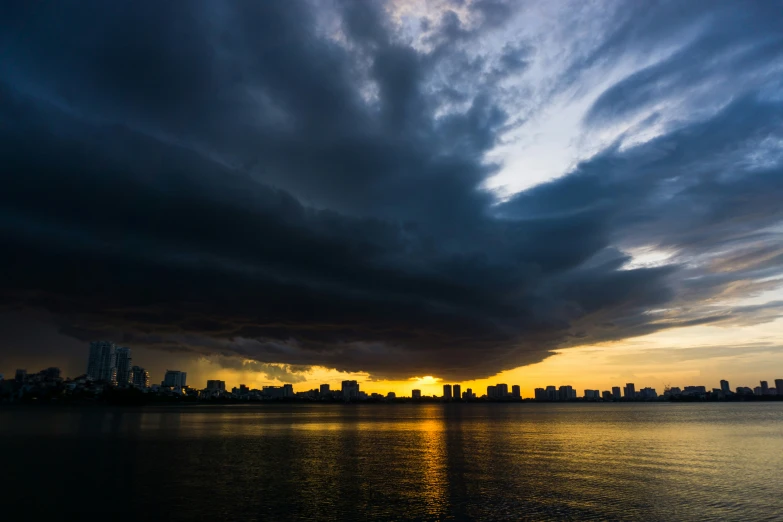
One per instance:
(256, 180)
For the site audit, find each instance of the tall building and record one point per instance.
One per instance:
(551, 393)
(648, 393)
(724, 387)
(447, 392)
(630, 390)
(457, 389)
(540, 394)
(491, 392)
(175, 378)
(468, 394)
(565, 393)
(416, 394)
(288, 390)
(50, 374)
(779, 386)
(324, 390)
(102, 362)
(20, 375)
(516, 392)
(272, 392)
(764, 388)
(350, 390)
(123, 365)
(140, 377)
(501, 390)
(616, 392)
(694, 390)
(215, 385)
(606, 395)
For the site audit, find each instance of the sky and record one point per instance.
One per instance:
(399, 192)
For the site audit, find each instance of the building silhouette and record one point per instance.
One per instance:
(350, 390)
(764, 388)
(648, 393)
(416, 394)
(779, 386)
(457, 389)
(324, 390)
(175, 379)
(285, 391)
(724, 387)
(101, 365)
(140, 377)
(447, 392)
(630, 390)
(501, 390)
(616, 393)
(516, 392)
(122, 357)
(216, 386)
(566, 393)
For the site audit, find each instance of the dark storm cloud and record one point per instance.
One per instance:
(233, 180)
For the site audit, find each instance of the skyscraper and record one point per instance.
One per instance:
(501, 390)
(175, 378)
(516, 392)
(764, 388)
(779, 386)
(565, 393)
(416, 394)
(724, 387)
(140, 377)
(123, 365)
(102, 362)
(324, 390)
(616, 392)
(630, 390)
(447, 392)
(350, 390)
(216, 385)
(457, 389)
(491, 392)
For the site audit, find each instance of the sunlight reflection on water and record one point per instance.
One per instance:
(392, 462)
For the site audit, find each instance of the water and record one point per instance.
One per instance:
(396, 462)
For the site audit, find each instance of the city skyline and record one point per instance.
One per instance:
(111, 364)
(430, 385)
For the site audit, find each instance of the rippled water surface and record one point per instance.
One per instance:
(397, 462)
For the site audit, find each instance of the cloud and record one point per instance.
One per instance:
(252, 182)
